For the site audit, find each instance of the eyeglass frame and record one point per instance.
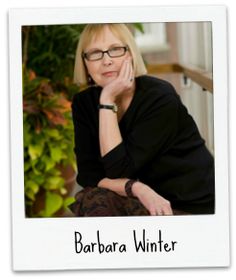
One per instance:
(125, 48)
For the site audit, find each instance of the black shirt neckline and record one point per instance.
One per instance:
(131, 105)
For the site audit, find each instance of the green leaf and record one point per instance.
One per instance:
(38, 178)
(48, 162)
(32, 186)
(39, 167)
(54, 172)
(30, 194)
(139, 27)
(27, 135)
(35, 150)
(27, 166)
(67, 201)
(53, 203)
(56, 153)
(63, 191)
(54, 133)
(54, 182)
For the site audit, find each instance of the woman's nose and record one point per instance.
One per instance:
(106, 60)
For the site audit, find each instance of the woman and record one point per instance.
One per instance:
(138, 150)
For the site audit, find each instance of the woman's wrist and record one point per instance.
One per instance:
(138, 188)
(107, 101)
(128, 187)
(106, 97)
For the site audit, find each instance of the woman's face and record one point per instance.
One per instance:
(107, 69)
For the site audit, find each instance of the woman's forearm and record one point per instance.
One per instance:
(119, 88)
(152, 201)
(118, 186)
(115, 185)
(109, 132)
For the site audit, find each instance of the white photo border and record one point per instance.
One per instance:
(49, 243)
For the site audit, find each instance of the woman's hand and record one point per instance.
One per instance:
(153, 202)
(122, 84)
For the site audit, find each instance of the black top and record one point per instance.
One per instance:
(161, 146)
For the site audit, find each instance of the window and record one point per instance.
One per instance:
(153, 39)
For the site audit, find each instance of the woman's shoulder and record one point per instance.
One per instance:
(155, 86)
(85, 95)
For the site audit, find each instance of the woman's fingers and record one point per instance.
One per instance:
(123, 69)
(160, 212)
(166, 208)
(130, 74)
(154, 203)
(169, 211)
(153, 211)
(126, 72)
(127, 69)
(160, 208)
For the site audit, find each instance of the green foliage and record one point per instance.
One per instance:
(48, 143)
(139, 27)
(53, 203)
(51, 49)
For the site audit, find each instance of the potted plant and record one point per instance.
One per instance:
(48, 146)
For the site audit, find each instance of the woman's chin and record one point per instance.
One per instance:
(107, 81)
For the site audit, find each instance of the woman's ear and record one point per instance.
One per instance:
(90, 79)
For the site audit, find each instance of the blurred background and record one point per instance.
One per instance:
(180, 52)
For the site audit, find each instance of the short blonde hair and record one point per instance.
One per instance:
(92, 31)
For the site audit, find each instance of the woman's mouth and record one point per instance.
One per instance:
(109, 74)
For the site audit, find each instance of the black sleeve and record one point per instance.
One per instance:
(152, 134)
(90, 168)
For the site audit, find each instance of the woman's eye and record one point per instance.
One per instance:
(94, 53)
(116, 49)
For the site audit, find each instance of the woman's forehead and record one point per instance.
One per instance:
(102, 37)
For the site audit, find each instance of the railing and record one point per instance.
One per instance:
(199, 76)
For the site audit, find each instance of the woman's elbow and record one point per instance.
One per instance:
(114, 173)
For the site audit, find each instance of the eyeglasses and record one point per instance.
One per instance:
(112, 52)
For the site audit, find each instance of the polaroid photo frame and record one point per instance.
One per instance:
(65, 243)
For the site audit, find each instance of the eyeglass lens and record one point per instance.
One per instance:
(113, 52)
